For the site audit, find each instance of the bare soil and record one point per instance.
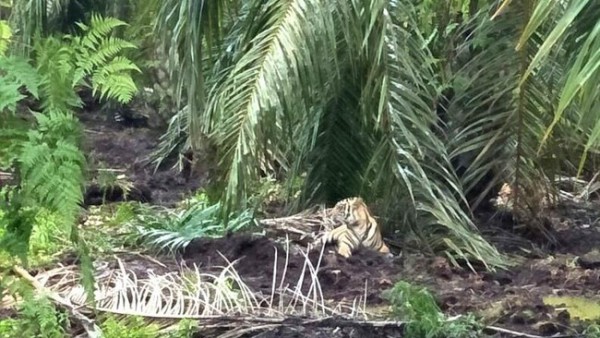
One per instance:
(511, 299)
(110, 145)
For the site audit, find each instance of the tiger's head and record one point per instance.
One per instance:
(354, 209)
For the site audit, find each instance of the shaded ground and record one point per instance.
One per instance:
(340, 279)
(113, 146)
(510, 299)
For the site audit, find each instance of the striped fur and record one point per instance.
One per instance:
(359, 228)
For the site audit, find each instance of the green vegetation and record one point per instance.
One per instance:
(37, 315)
(136, 327)
(172, 230)
(418, 308)
(423, 108)
(592, 331)
(47, 156)
(578, 307)
(130, 327)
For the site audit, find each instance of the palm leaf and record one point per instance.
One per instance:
(270, 85)
(409, 87)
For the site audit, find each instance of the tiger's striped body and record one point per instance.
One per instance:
(358, 228)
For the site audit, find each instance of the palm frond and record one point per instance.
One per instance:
(190, 29)
(271, 84)
(189, 293)
(339, 145)
(408, 81)
(574, 28)
(172, 230)
(499, 119)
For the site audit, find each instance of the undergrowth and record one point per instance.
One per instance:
(48, 238)
(417, 306)
(37, 315)
(171, 230)
(137, 327)
(592, 331)
(128, 327)
(46, 156)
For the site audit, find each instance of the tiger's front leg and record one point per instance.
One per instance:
(345, 239)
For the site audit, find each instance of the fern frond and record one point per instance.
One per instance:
(18, 224)
(102, 26)
(53, 167)
(66, 63)
(9, 94)
(106, 50)
(113, 79)
(20, 72)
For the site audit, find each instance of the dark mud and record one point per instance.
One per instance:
(510, 299)
(341, 279)
(110, 145)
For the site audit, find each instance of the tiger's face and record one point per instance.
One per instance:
(354, 210)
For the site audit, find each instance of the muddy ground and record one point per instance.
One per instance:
(111, 145)
(511, 299)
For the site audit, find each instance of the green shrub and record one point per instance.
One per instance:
(418, 308)
(171, 230)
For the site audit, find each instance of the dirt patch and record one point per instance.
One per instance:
(127, 150)
(510, 299)
(341, 279)
(6, 313)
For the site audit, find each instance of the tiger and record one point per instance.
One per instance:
(358, 228)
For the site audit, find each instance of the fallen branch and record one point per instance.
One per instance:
(522, 334)
(246, 325)
(302, 228)
(331, 321)
(243, 326)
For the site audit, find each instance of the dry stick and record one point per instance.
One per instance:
(89, 325)
(274, 282)
(116, 170)
(243, 331)
(331, 322)
(586, 190)
(519, 334)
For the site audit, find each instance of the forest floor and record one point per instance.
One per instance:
(511, 299)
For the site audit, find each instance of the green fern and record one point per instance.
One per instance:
(40, 318)
(69, 61)
(128, 327)
(16, 73)
(48, 157)
(37, 316)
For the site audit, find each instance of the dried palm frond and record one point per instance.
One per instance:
(306, 224)
(189, 293)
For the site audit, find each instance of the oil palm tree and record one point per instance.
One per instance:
(424, 106)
